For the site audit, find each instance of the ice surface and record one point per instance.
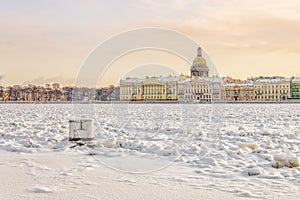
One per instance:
(40, 189)
(250, 150)
(286, 161)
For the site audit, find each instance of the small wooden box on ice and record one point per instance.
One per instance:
(81, 129)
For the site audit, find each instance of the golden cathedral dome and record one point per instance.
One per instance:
(199, 62)
(199, 68)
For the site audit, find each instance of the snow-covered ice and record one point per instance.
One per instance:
(146, 151)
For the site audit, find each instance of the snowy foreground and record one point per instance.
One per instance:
(151, 152)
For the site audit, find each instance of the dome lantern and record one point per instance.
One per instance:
(199, 52)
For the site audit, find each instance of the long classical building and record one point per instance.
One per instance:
(154, 88)
(272, 89)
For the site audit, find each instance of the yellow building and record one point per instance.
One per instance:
(154, 88)
(272, 89)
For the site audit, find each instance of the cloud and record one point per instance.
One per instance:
(269, 26)
(46, 39)
(256, 32)
(1, 76)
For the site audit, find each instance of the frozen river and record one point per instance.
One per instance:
(248, 149)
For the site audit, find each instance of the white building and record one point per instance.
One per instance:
(193, 89)
(201, 89)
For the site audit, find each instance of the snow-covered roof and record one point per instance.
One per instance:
(168, 78)
(239, 84)
(296, 79)
(161, 78)
(275, 80)
(133, 80)
(214, 79)
(208, 79)
(185, 80)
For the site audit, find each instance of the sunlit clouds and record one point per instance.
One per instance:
(52, 38)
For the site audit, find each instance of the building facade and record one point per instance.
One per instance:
(295, 88)
(195, 89)
(200, 87)
(154, 88)
(272, 89)
(218, 89)
(239, 91)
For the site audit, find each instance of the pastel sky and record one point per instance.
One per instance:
(47, 40)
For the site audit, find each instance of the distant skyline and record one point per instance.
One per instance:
(47, 41)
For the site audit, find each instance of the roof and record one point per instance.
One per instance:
(296, 79)
(206, 79)
(275, 80)
(161, 78)
(239, 84)
(214, 79)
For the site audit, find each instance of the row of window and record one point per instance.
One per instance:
(198, 91)
(153, 97)
(194, 97)
(240, 91)
(197, 87)
(144, 97)
(271, 97)
(273, 92)
(271, 86)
